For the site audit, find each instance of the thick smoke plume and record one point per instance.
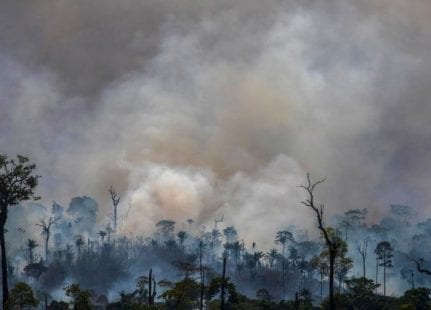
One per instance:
(193, 109)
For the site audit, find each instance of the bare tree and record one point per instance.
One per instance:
(362, 249)
(420, 268)
(115, 201)
(46, 231)
(332, 241)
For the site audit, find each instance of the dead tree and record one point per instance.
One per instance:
(151, 287)
(420, 268)
(46, 231)
(115, 201)
(333, 242)
(362, 249)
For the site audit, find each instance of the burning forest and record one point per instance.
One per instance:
(176, 154)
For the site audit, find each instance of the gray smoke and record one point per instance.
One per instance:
(197, 109)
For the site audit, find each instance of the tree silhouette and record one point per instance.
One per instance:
(102, 235)
(46, 231)
(115, 201)
(166, 228)
(332, 244)
(79, 243)
(21, 297)
(80, 297)
(31, 245)
(182, 235)
(190, 222)
(17, 183)
(384, 254)
(283, 237)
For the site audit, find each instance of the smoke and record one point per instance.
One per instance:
(193, 110)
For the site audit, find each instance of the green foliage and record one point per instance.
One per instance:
(361, 292)
(80, 297)
(418, 297)
(17, 180)
(58, 305)
(183, 295)
(21, 296)
(233, 297)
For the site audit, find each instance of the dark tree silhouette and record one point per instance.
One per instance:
(115, 201)
(22, 297)
(190, 222)
(283, 237)
(31, 245)
(333, 243)
(384, 253)
(182, 236)
(223, 286)
(17, 183)
(102, 235)
(420, 268)
(46, 231)
(166, 228)
(362, 249)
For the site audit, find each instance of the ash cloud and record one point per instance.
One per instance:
(200, 109)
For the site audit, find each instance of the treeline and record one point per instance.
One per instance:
(60, 256)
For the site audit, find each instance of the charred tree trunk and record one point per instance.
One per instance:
(332, 242)
(5, 288)
(223, 284)
(284, 277)
(332, 255)
(150, 277)
(377, 272)
(202, 278)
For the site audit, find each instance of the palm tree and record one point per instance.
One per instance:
(31, 245)
(257, 256)
(79, 243)
(102, 235)
(283, 237)
(46, 231)
(182, 235)
(272, 256)
(230, 234)
(190, 221)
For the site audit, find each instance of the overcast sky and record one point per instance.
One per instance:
(194, 109)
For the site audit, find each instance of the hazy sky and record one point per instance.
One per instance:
(193, 109)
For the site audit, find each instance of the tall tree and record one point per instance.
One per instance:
(31, 245)
(223, 286)
(362, 249)
(46, 231)
(115, 201)
(283, 237)
(332, 241)
(182, 236)
(384, 254)
(17, 184)
(190, 222)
